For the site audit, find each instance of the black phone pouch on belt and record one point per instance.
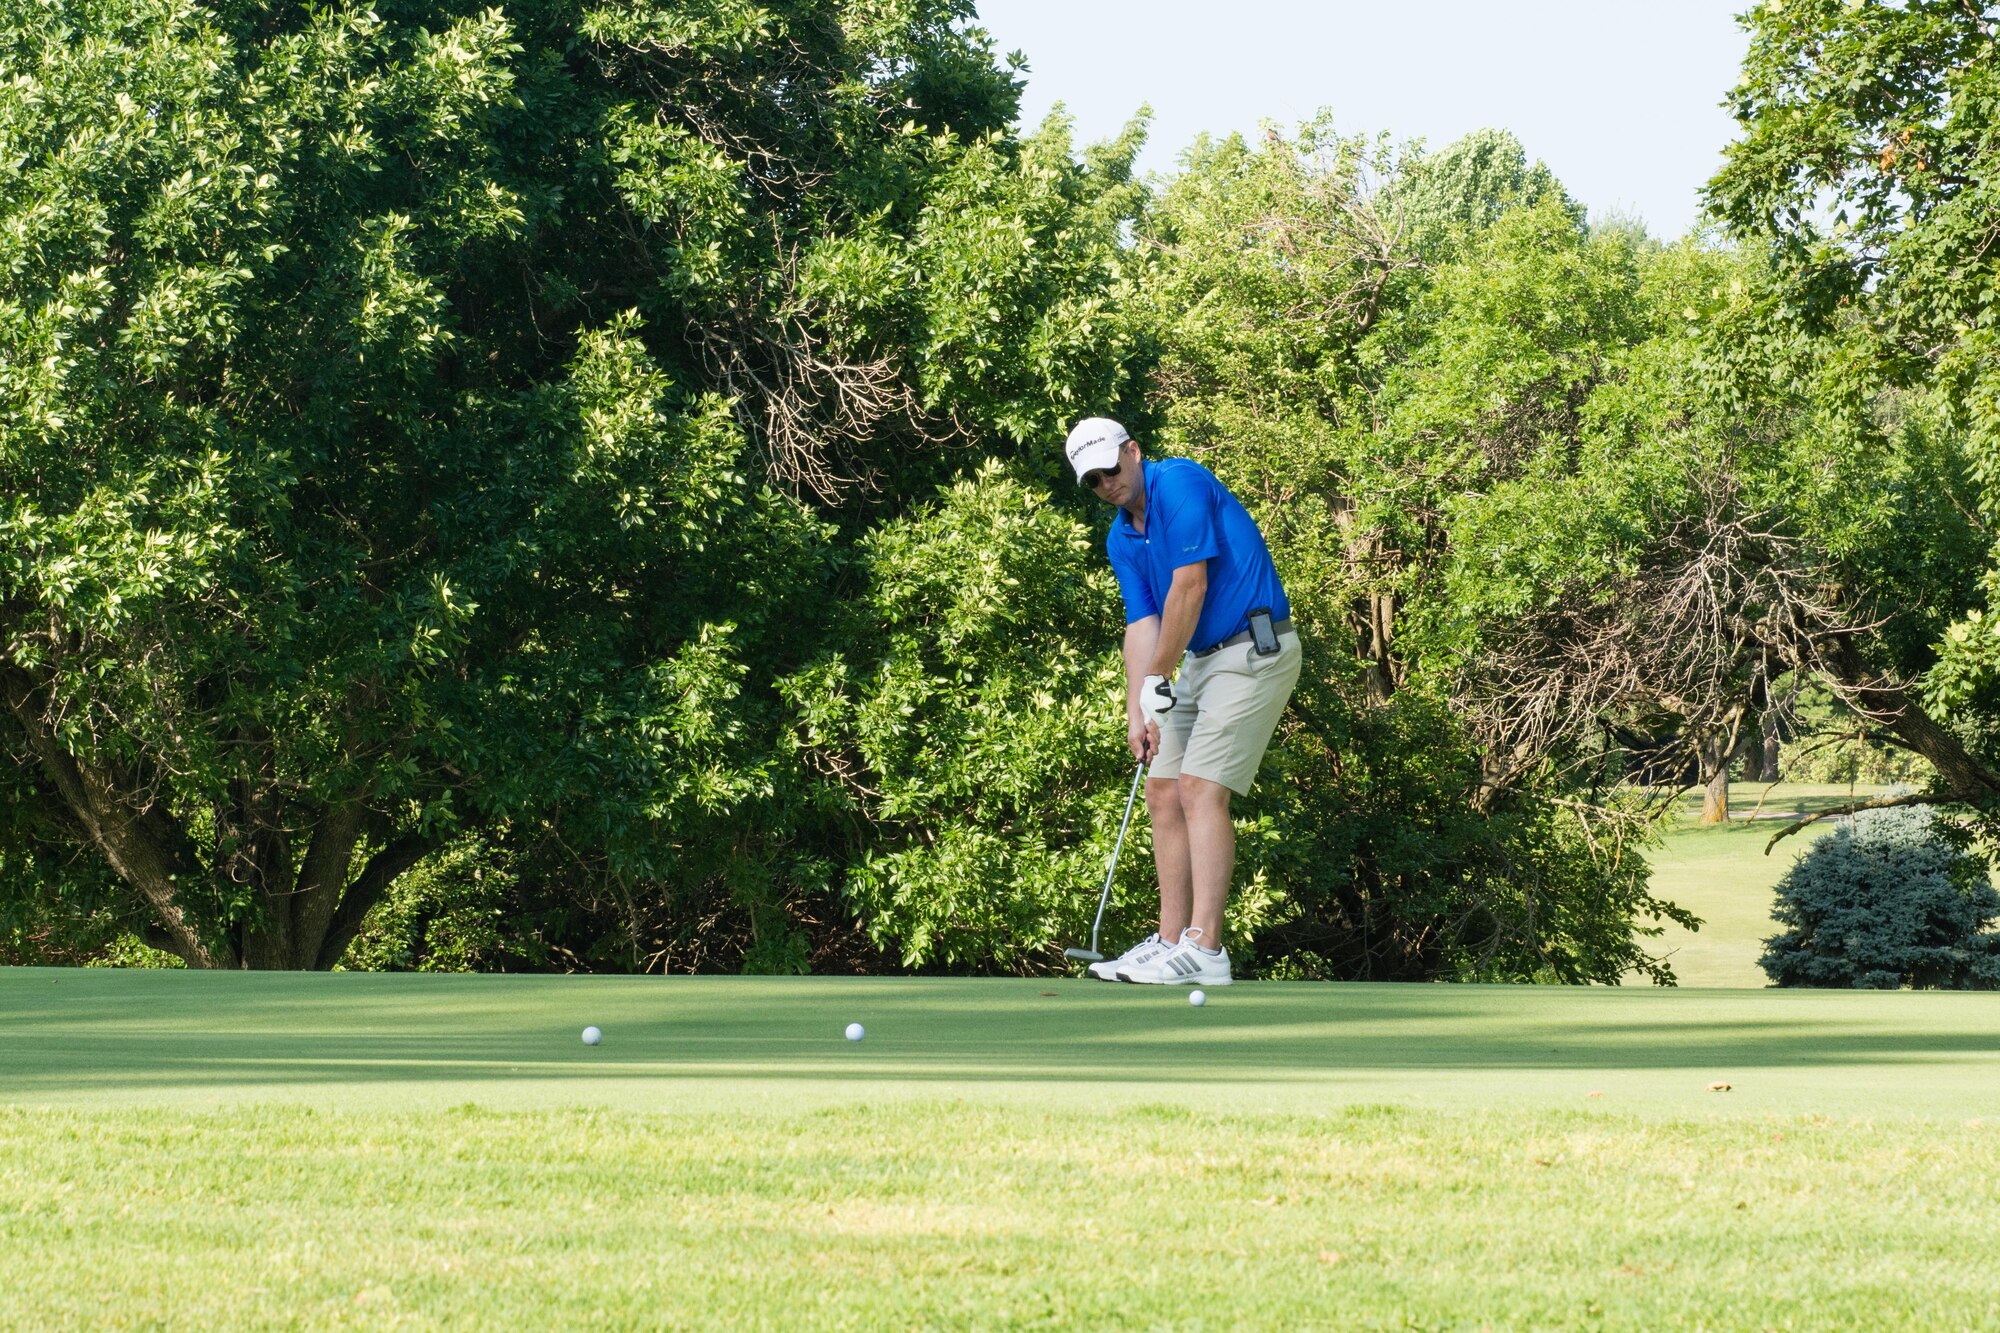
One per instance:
(1262, 633)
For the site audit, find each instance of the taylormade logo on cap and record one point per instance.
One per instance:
(1094, 443)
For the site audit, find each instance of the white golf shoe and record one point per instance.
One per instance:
(1183, 964)
(1144, 951)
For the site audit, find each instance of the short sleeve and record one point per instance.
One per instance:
(1132, 587)
(1187, 519)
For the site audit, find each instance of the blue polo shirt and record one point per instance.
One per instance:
(1191, 517)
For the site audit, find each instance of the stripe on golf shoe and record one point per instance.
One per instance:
(1183, 964)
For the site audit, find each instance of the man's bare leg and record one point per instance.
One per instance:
(1211, 851)
(1170, 855)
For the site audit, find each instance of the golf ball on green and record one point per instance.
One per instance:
(855, 1032)
(591, 1036)
(1197, 998)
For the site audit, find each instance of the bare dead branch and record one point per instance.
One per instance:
(1880, 803)
(1686, 632)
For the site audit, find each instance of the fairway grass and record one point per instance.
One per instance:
(255, 1150)
(944, 1214)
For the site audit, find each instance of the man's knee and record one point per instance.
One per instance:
(1201, 795)
(1163, 798)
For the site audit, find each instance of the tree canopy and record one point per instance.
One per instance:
(1865, 173)
(421, 416)
(577, 485)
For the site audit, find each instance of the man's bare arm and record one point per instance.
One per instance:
(1178, 619)
(1140, 638)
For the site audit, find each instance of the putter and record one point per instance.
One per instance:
(1091, 955)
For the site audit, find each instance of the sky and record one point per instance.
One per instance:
(1620, 98)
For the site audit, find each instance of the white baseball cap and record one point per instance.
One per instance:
(1094, 443)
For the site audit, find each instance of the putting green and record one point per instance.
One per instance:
(281, 1151)
(750, 1044)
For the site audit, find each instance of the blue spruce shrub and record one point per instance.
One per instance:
(1891, 899)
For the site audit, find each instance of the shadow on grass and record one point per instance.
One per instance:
(103, 1031)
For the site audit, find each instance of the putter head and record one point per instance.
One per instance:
(1087, 955)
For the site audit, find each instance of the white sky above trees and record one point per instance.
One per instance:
(1620, 98)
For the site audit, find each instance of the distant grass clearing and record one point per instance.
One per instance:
(1722, 875)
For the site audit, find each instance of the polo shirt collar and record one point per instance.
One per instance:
(1125, 519)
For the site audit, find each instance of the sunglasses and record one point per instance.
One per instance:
(1097, 474)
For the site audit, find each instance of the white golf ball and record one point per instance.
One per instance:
(855, 1032)
(1197, 998)
(591, 1036)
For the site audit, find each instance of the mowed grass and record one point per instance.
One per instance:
(1722, 874)
(188, 1150)
(945, 1214)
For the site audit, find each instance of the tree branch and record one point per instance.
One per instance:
(382, 870)
(1885, 701)
(1881, 803)
(140, 839)
(322, 874)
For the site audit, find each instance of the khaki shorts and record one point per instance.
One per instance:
(1227, 705)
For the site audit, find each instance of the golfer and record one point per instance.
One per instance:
(1210, 659)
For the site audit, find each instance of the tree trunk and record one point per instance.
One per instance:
(367, 889)
(1716, 750)
(306, 919)
(1375, 621)
(1371, 614)
(140, 839)
(309, 927)
(252, 851)
(1773, 748)
(322, 879)
(1968, 779)
(1715, 797)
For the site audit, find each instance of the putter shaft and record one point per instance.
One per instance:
(1112, 870)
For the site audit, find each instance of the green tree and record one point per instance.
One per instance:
(420, 420)
(1866, 172)
(1375, 348)
(1890, 899)
(972, 721)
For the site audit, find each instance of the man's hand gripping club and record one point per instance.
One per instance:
(1156, 700)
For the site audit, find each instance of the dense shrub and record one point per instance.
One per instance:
(972, 723)
(1890, 900)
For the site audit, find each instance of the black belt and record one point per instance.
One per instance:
(1245, 637)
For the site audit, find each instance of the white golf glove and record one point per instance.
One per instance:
(1156, 698)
